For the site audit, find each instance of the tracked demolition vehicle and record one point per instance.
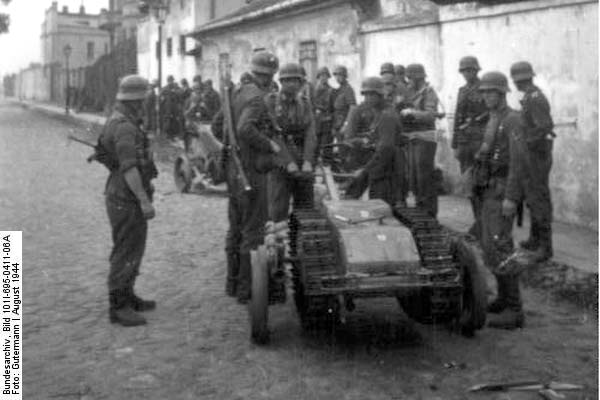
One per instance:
(340, 250)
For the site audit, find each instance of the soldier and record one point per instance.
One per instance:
(323, 102)
(401, 82)
(344, 99)
(170, 104)
(375, 128)
(186, 92)
(502, 185)
(128, 196)
(539, 138)
(247, 209)
(296, 134)
(308, 89)
(211, 100)
(470, 119)
(389, 81)
(418, 119)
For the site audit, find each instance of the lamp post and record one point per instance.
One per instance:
(67, 52)
(160, 13)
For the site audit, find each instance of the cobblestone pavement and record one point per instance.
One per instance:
(196, 343)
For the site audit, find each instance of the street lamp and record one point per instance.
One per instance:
(160, 13)
(67, 52)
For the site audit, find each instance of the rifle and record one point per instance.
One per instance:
(231, 134)
(93, 156)
(472, 120)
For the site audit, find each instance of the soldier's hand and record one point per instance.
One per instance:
(306, 166)
(147, 210)
(291, 168)
(406, 112)
(509, 208)
(275, 147)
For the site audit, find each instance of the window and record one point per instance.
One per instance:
(169, 47)
(182, 44)
(308, 58)
(90, 50)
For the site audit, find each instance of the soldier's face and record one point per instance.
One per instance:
(323, 78)
(291, 86)
(340, 78)
(492, 98)
(469, 74)
(372, 98)
(520, 85)
(263, 79)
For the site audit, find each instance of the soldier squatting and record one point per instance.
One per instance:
(281, 133)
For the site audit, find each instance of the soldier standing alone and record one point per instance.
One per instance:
(470, 119)
(502, 185)
(539, 138)
(128, 198)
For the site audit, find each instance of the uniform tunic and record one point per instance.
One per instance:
(127, 147)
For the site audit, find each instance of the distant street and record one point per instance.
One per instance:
(196, 344)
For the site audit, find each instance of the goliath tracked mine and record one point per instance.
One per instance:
(341, 249)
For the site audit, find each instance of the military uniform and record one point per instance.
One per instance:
(421, 152)
(378, 132)
(125, 146)
(343, 100)
(211, 101)
(296, 131)
(323, 106)
(538, 127)
(170, 107)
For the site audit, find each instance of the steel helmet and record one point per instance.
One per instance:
(399, 69)
(494, 81)
(468, 62)
(290, 70)
(386, 68)
(132, 87)
(521, 71)
(264, 62)
(341, 70)
(323, 71)
(372, 84)
(415, 71)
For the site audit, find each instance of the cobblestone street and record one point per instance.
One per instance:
(196, 344)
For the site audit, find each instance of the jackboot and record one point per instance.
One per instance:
(120, 311)
(499, 304)
(233, 269)
(244, 276)
(544, 250)
(532, 243)
(139, 304)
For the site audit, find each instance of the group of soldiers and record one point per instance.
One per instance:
(180, 105)
(273, 135)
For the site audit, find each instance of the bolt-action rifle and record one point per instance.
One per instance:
(232, 146)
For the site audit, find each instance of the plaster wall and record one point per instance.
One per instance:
(333, 29)
(558, 37)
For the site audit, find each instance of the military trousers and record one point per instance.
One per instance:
(401, 174)
(421, 161)
(497, 241)
(537, 195)
(324, 138)
(129, 232)
(281, 188)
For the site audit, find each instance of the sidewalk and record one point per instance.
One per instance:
(572, 273)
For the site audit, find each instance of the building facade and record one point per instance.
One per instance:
(559, 37)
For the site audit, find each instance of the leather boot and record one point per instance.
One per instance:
(499, 304)
(244, 276)
(139, 304)
(532, 243)
(120, 311)
(544, 251)
(512, 316)
(233, 269)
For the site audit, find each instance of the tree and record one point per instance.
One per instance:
(4, 19)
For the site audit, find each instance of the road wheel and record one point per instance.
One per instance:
(474, 295)
(259, 299)
(183, 174)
